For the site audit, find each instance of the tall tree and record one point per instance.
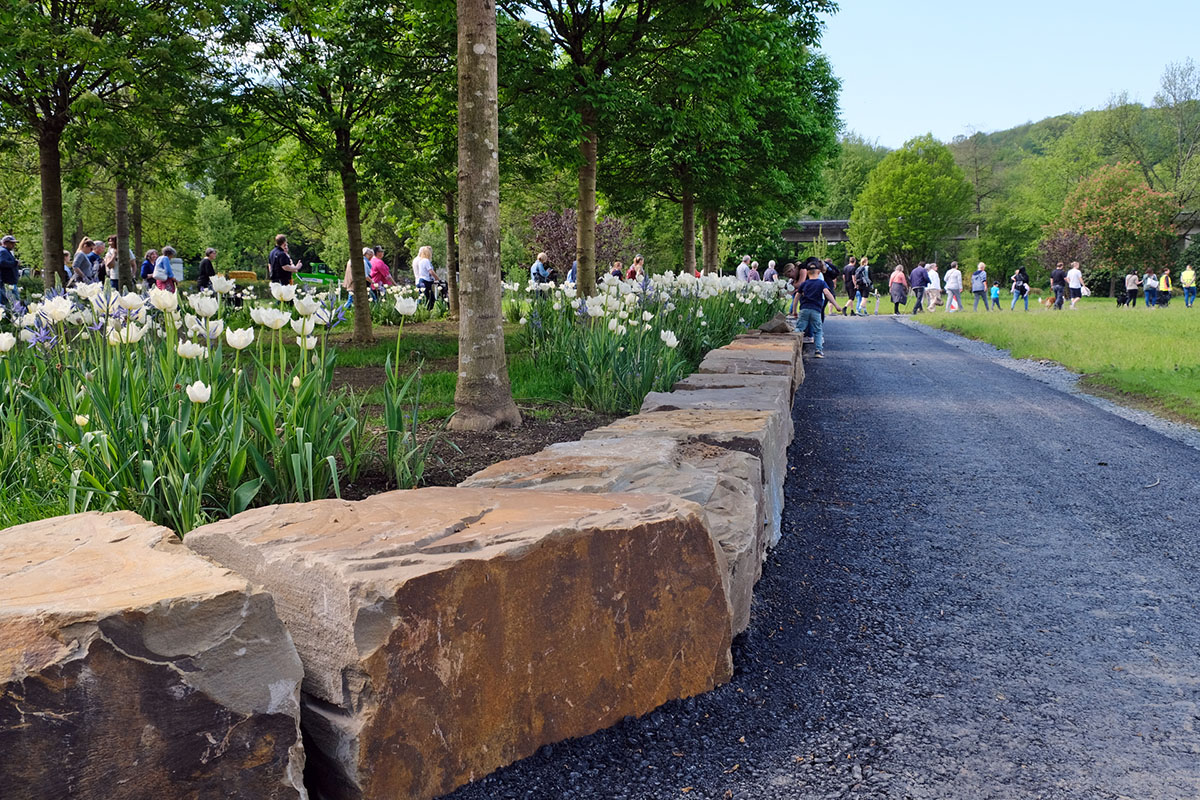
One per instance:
(608, 51)
(69, 60)
(846, 177)
(483, 397)
(913, 201)
(326, 74)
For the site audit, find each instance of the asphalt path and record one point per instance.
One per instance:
(986, 588)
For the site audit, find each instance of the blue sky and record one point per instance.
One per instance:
(955, 67)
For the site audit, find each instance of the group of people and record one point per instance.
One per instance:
(96, 261)
(1156, 287)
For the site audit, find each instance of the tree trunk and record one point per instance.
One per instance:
(358, 272)
(451, 255)
(135, 219)
(50, 172)
(689, 233)
(585, 219)
(483, 397)
(710, 241)
(124, 268)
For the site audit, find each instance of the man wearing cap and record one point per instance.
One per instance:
(9, 272)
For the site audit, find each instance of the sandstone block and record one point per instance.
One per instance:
(726, 483)
(762, 434)
(748, 362)
(132, 668)
(781, 349)
(447, 632)
(722, 380)
(777, 398)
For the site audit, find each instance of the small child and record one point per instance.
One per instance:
(996, 295)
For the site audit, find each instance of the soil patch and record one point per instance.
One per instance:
(362, 379)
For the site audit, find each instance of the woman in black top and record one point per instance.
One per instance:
(207, 270)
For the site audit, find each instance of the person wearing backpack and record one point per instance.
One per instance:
(1020, 288)
(1150, 288)
(862, 287)
(979, 286)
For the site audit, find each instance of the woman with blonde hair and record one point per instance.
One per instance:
(82, 269)
(424, 274)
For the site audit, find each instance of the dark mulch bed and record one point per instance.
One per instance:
(458, 454)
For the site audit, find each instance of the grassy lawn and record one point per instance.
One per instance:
(1144, 357)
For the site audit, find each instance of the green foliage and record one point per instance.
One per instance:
(846, 176)
(1129, 224)
(912, 202)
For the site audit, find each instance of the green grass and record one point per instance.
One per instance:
(1148, 357)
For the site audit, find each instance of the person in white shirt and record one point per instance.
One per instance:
(423, 273)
(1075, 282)
(934, 289)
(954, 285)
(743, 270)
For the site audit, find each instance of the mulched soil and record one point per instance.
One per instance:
(457, 455)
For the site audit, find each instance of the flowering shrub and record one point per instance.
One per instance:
(635, 337)
(156, 403)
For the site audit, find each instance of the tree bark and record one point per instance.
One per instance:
(358, 272)
(585, 219)
(50, 173)
(689, 233)
(124, 268)
(483, 396)
(710, 253)
(135, 219)
(451, 255)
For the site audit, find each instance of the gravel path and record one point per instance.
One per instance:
(975, 597)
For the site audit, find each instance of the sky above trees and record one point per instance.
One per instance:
(953, 68)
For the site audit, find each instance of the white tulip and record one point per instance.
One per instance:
(222, 285)
(613, 323)
(284, 294)
(27, 335)
(303, 326)
(130, 334)
(88, 290)
(239, 339)
(131, 301)
(306, 343)
(203, 306)
(296, 382)
(271, 318)
(647, 316)
(7, 342)
(669, 339)
(190, 350)
(81, 420)
(164, 300)
(56, 309)
(306, 306)
(199, 393)
(406, 306)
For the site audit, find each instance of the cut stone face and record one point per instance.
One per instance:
(776, 398)
(727, 485)
(722, 380)
(759, 355)
(762, 434)
(131, 667)
(447, 632)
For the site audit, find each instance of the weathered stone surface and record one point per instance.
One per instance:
(782, 349)
(729, 380)
(726, 483)
(762, 434)
(777, 398)
(748, 362)
(133, 668)
(447, 632)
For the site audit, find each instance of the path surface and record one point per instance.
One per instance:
(974, 598)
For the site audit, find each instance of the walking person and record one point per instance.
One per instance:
(1187, 279)
(753, 276)
(10, 272)
(1058, 283)
(743, 269)
(898, 288)
(1132, 282)
(771, 274)
(996, 295)
(934, 290)
(208, 269)
(862, 286)
(426, 277)
(165, 274)
(979, 286)
(954, 287)
(147, 270)
(1075, 283)
(848, 284)
(1150, 288)
(82, 268)
(919, 281)
(813, 293)
(1164, 287)
(1020, 288)
(379, 275)
(279, 262)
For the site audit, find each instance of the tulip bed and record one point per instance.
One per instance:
(636, 337)
(189, 407)
(157, 404)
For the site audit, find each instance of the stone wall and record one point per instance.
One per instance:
(438, 633)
